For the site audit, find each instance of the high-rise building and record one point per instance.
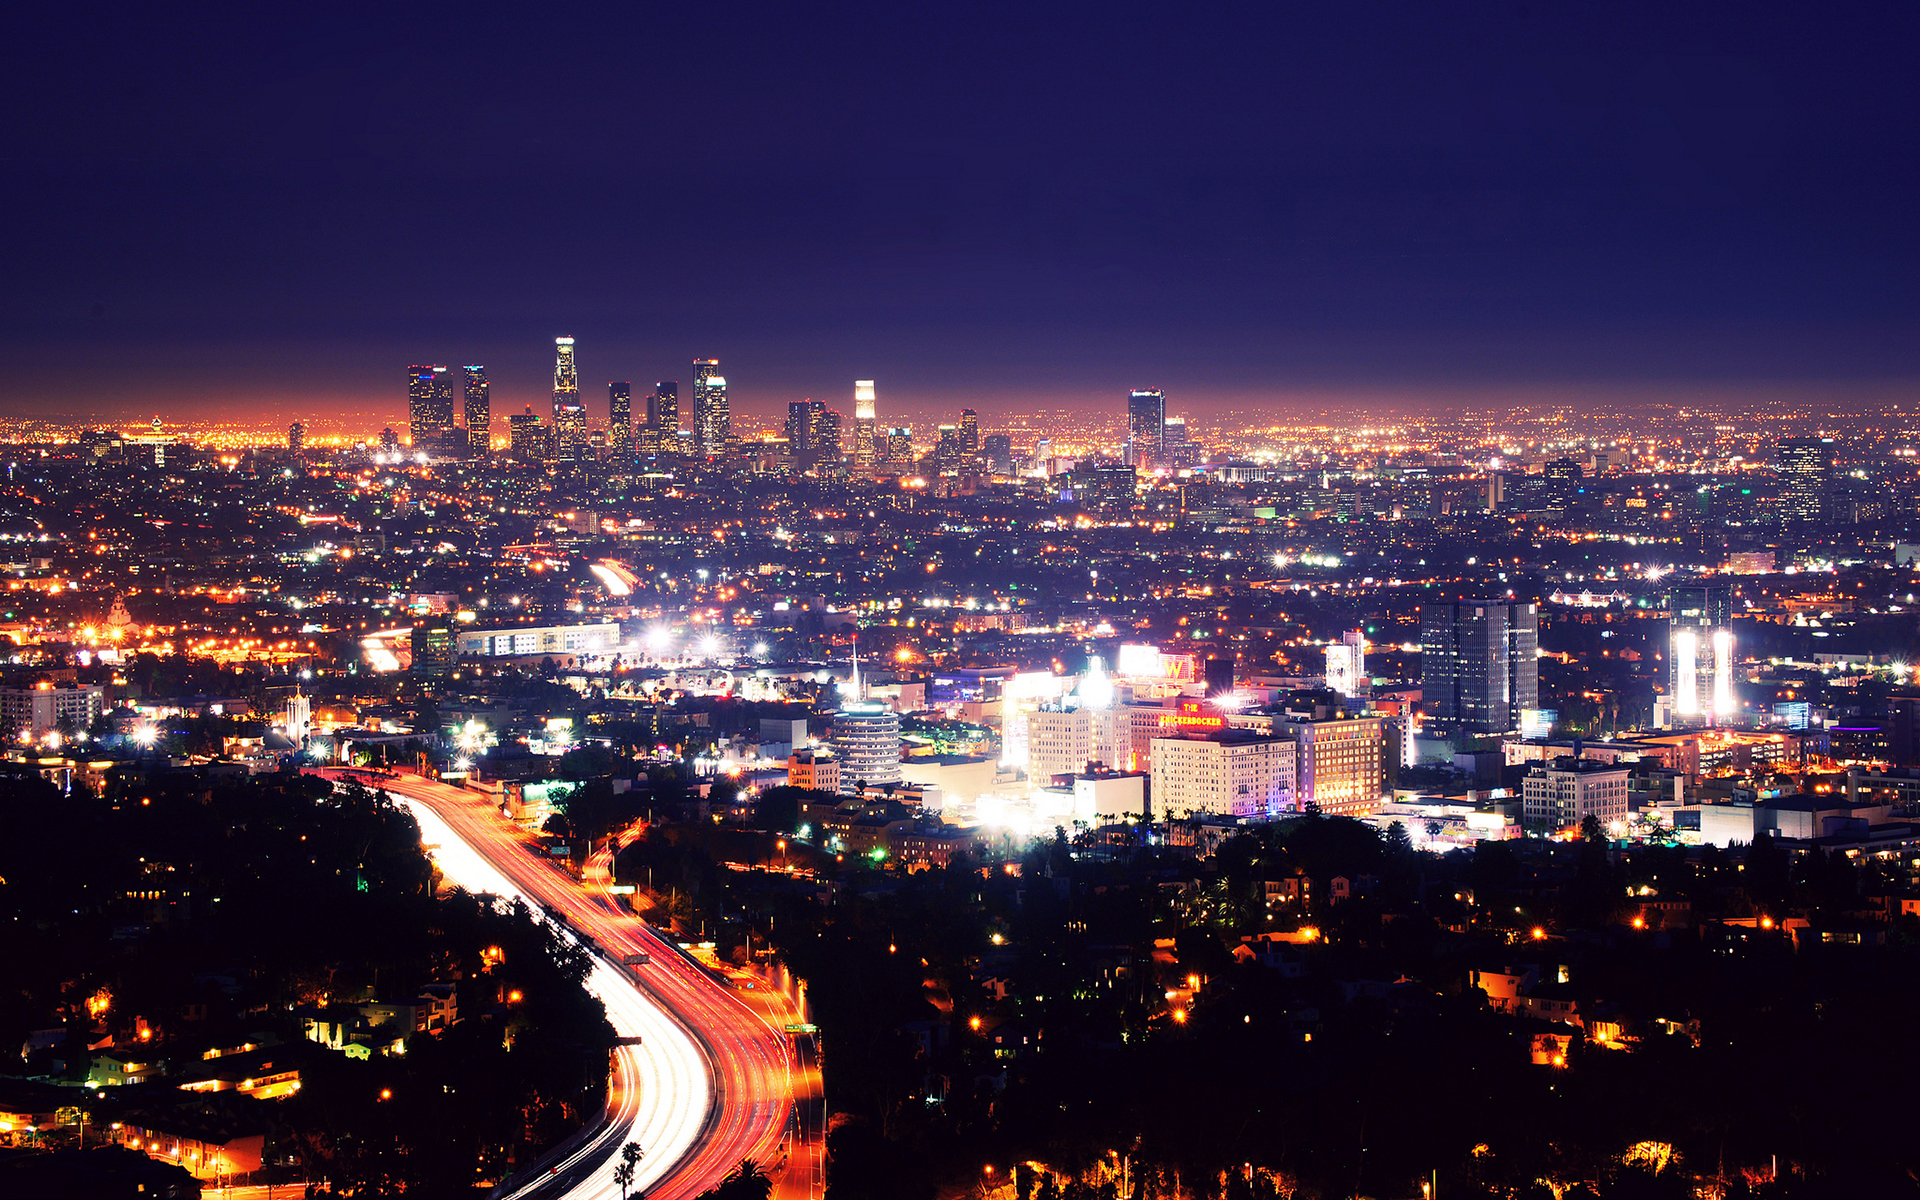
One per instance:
(813, 435)
(429, 407)
(999, 453)
(569, 414)
(1805, 468)
(1341, 763)
(866, 411)
(296, 437)
(712, 424)
(432, 643)
(1233, 772)
(1347, 663)
(620, 420)
(1700, 664)
(1561, 482)
(1146, 428)
(1562, 794)
(866, 737)
(479, 412)
(900, 447)
(662, 433)
(528, 439)
(1479, 663)
(389, 441)
(969, 431)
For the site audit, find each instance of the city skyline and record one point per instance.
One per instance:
(1557, 201)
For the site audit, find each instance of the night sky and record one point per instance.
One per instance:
(276, 208)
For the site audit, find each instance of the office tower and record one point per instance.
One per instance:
(826, 443)
(969, 431)
(1347, 663)
(620, 420)
(1562, 482)
(1174, 443)
(1479, 663)
(999, 453)
(900, 446)
(1340, 763)
(569, 414)
(389, 441)
(479, 412)
(1700, 653)
(866, 410)
(711, 422)
(527, 440)
(296, 437)
(662, 434)
(1146, 428)
(1805, 467)
(866, 737)
(429, 407)
(432, 645)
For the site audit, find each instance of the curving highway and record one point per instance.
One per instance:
(713, 1079)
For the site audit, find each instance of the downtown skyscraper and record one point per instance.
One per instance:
(712, 424)
(1479, 663)
(478, 412)
(620, 420)
(429, 408)
(1146, 428)
(865, 412)
(1805, 469)
(661, 433)
(569, 414)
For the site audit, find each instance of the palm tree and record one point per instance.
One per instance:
(745, 1182)
(630, 1156)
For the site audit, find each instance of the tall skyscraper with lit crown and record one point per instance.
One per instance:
(569, 414)
(711, 422)
(865, 413)
(479, 412)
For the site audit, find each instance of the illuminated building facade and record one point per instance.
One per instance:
(1341, 764)
(866, 738)
(1479, 663)
(620, 420)
(429, 407)
(662, 432)
(569, 414)
(1560, 795)
(527, 436)
(1347, 664)
(296, 437)
(712, 422)
(1700, 654)
(35, 713)
(1146, 428)
(1805, 467)
(900, 447)
(1231, 772)
(999, 453)
(969, 431)
(478, 405)
(866, 411)
(813, 435)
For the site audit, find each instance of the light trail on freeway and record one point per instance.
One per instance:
(712, 1081)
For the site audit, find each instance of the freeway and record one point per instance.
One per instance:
(712, 1081)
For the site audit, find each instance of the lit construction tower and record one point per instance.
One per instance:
(865, 413)
(711, 422)
(479, 412)
(569, 415)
